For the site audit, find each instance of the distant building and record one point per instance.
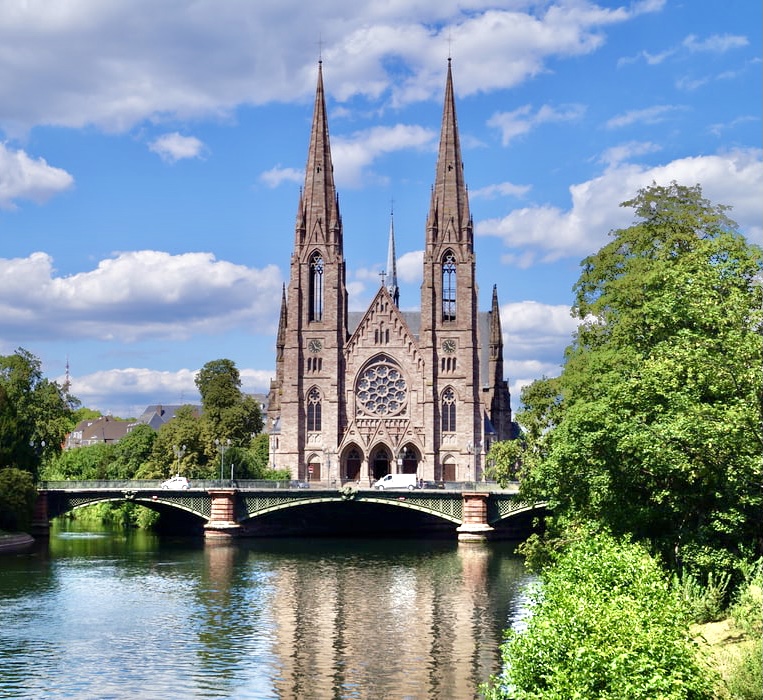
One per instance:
(104, 429)
(156, 415)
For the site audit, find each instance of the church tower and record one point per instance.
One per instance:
(304, 404)
(449, 319)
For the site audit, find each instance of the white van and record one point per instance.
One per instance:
(397, 481)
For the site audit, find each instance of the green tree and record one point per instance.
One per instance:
(653, 427)
(179, 447)
(35, 413)
(17, 497)
(604, 624)
(228, 414)
(132, 452)
(91, 462)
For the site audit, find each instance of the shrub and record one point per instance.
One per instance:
(17, 497)
(605, 623)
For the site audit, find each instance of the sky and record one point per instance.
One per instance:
(151, 156)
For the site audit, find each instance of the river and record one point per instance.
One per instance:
(133, 615)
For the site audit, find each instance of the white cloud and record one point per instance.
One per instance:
(522, 120)
(128, 391)
(717, 43)
(23, 177)
(649, 115)
(549, 233)
(352, 155)
(134, 296)
(89, 62)
(625, 151)
(502, 189)
(174, 147)
(275, 176)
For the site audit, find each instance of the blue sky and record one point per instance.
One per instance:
(152, 152)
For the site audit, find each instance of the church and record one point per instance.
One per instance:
(358, 395)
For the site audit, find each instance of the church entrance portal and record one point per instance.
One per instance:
(380, 464)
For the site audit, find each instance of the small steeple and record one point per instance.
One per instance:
(449, 217)
(392, 287)
(282, 320)
(319, 219)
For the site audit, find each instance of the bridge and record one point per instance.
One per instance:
(473, 511)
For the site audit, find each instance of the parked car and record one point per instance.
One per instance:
(176, 482)
(397, 481)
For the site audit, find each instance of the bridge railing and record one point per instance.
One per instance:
(246, 484)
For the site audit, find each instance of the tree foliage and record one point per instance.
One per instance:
(604, 624)
(35, 413)
(654, 426)
(17, 497)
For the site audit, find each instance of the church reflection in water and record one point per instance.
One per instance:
(353, 619)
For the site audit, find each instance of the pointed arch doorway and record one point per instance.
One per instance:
(380, 463)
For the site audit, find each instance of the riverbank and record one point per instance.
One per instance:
(14, 542)
(729, 651)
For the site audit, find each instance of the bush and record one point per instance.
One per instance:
(605, 623)
(17, 497)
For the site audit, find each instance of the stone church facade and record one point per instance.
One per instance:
(360, 395)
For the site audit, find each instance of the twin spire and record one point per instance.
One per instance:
(449, 219)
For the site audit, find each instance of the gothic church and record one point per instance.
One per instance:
(360, 395)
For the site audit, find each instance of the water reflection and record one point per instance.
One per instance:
(120, 616)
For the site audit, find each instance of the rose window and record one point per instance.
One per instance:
(381, 389)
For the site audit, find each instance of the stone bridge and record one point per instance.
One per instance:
(472, 511)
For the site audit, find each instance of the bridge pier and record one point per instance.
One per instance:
(40, 525)
(222, 524)
(474, 526)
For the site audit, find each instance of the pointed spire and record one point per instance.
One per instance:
(496, 335)
(392, 287)
(318, 201)
(282, 321)
(449, 213)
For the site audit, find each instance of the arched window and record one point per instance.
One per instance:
(448, 411)
(316, 287)
(314, 411)
(449, 287)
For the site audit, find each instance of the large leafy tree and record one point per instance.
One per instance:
(228, 413)
(35, 412)
(654, 426)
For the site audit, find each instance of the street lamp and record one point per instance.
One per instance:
(179, 453)
(222, 445)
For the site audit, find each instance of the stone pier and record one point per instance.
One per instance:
(474, 526)
(222, 523)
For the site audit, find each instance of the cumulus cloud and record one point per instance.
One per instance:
(173, 147)
(95, 63)
(23, 177)
(275, 176)
(134, 296)
(546, 233)
(127, 392)
(352, 155)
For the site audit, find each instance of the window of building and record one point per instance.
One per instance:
(316, 287)
(449, 287)
(448, 411)
(314, 411)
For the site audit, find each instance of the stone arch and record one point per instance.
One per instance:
(312, 467)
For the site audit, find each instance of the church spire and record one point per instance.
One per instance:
(449, 217)
(392, 287)
(319, 220)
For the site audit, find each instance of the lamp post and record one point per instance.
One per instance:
(472, 448)
(222, 445)
(179, 453)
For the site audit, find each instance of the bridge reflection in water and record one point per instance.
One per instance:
(472, 511)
